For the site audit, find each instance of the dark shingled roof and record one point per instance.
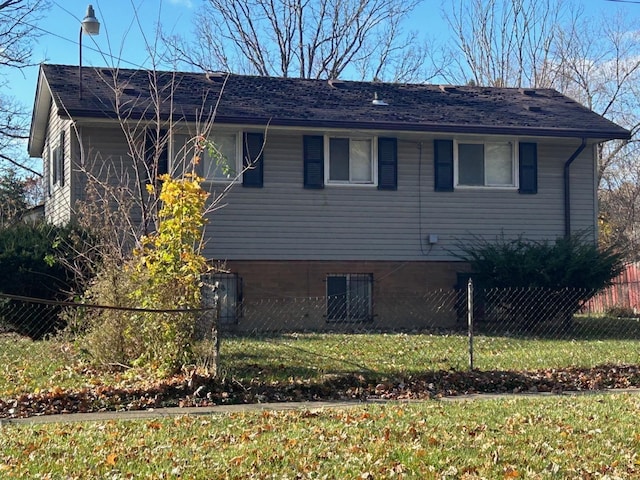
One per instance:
(328, 104)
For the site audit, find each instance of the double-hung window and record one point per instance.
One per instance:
(222, 160)
(350, 160)
(349, 297)
(485, 164)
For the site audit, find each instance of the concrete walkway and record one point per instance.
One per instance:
(225, 409)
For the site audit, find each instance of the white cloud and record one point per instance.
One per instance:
(184, 3)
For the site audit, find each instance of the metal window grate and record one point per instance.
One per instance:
(349, 297)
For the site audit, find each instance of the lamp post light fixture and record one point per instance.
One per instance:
(91, 26)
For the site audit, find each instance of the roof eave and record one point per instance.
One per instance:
(599, 135)
(39, 117)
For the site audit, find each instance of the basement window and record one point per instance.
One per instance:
(349, 297)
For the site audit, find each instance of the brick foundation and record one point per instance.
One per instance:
(291, 295)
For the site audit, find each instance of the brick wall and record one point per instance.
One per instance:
(291, 295)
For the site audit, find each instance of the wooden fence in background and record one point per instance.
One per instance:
(624, 293)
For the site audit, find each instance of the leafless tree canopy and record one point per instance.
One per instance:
(16, 40)
(551, 43)
(306, 39)
(503, 42)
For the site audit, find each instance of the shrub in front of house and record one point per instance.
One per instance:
(25, 271)
(161, 281)
(526, 284)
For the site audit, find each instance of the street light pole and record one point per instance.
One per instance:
(91, 26)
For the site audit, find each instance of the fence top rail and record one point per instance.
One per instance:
(103, 307)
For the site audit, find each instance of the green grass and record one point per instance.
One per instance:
(312, 355)
(594, 436)
(27, 366)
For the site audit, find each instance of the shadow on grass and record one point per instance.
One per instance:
(582, 328)
(299, 363)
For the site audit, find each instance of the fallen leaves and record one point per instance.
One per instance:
(175, 391)
(111, 459)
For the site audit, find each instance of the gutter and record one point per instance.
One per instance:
(379, 125)
(567, 189)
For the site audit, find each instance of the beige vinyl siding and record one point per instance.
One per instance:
(105, 153)
(284, 221)
(58, 198)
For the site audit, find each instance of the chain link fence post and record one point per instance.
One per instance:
(215, 332)
(470, 320)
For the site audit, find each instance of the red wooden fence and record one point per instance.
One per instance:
(623, 293)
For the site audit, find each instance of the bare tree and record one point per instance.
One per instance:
(16, 40)
(526, 43)
(305, 39)
(503, 42)
(598, 64)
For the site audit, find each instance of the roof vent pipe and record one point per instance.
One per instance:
(377, 101)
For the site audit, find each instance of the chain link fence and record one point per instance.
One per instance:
(498, 329)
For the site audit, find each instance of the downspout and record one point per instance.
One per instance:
(567, 190)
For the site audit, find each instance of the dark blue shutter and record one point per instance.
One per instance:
(163, 157)
(443, 165)
(54, 166)
(528, 166)
(313, 161)
(252, 160)
(387, 164)
(151, 137)
(198, 168)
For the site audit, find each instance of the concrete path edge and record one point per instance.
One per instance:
(252, 407)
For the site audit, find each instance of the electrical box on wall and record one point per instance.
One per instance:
(433, 239)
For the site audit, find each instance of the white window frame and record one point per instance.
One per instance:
(237, 175)
(350, 182)
(514, 164)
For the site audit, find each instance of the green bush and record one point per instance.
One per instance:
(552, 279)
(25, 272)
(569, 262)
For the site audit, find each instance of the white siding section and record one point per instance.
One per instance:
(58, 194)
(284, 221)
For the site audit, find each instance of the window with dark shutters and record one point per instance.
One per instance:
(443, 165)
(313, 161)
(528, 166)
(252, 160)
(387, 164)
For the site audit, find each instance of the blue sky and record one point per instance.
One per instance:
(121, 32)
(120, 35)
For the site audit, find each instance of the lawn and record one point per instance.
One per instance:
(590, 436)
(27, 366)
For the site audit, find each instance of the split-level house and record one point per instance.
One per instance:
(358, 193)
